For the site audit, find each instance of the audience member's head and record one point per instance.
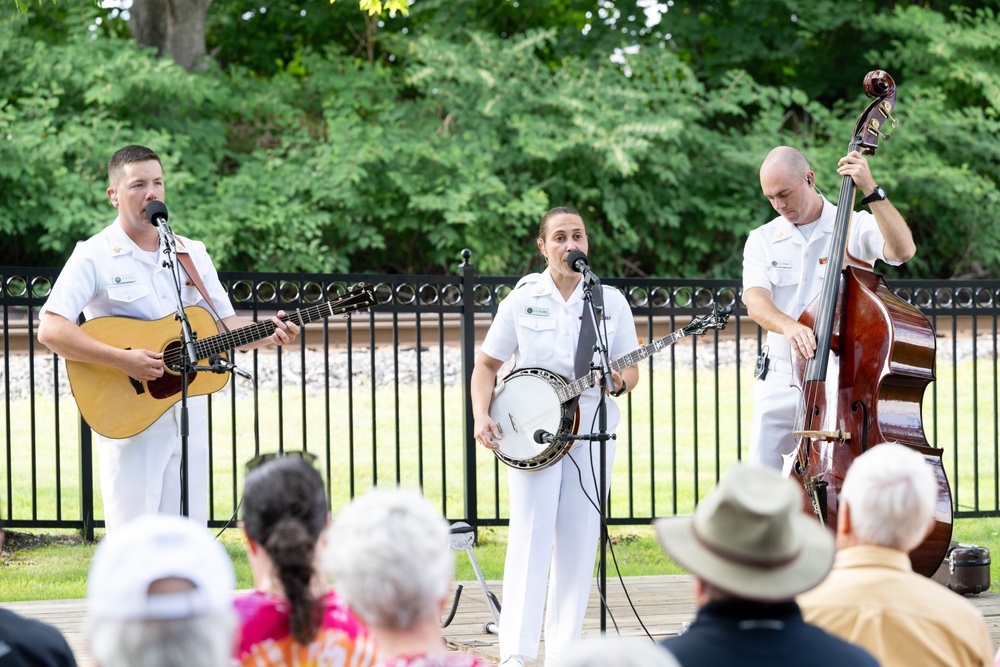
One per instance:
(285, 516)
(887, 499)
(160, 595)
(612, 651)
(749, 539)
(391, 560)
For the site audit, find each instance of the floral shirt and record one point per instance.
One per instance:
(452, 659)
(342, 641)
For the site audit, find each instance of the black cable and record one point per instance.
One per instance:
(604, 527)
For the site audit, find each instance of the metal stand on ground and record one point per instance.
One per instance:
(462, 538)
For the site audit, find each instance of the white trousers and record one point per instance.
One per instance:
(141, 474)
(775, 403)
(552, 523)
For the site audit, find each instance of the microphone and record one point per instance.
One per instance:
(543, 437)
(577, 261)
(156, 211)
(223, 364)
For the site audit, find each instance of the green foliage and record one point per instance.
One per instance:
(328, 141)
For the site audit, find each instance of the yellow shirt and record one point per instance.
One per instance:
(873, 598)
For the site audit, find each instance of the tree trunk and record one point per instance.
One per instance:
(176, 27)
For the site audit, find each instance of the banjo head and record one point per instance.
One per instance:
(527, 401)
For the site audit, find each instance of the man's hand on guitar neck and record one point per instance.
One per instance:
(285, 331)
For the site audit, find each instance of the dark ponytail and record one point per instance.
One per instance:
(285, 511)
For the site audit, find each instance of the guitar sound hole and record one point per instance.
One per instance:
(170, 382)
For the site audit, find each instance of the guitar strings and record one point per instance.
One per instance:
(222, 342)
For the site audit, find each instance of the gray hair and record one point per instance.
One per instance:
(891, 491)
(390, 558)
(196, 641)
(611, 651)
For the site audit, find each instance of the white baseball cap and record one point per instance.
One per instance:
(152, 548)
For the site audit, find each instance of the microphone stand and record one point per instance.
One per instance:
(602, 435)
(187, 364)
(187, 360)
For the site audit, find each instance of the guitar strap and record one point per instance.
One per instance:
(188, 264)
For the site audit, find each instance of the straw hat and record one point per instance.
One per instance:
(750, 538)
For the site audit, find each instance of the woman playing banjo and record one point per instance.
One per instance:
(552, 517)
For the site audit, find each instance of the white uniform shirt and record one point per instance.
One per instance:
(108, 274)
(542, 330)
(778, 258)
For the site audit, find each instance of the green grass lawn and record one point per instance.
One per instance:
(389, 435)
(58, 569)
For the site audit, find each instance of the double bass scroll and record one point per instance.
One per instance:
(874, 359)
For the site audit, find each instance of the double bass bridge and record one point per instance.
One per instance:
(826, 436)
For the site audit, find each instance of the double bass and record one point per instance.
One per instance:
(874, 359)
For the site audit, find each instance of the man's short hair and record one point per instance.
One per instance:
(128, 155)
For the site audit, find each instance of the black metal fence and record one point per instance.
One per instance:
(382, 398)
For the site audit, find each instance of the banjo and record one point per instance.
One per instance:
(530, 400)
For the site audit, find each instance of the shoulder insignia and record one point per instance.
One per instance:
(529, 279)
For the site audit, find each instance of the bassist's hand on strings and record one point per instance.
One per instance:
(856, 166)
(801, 339)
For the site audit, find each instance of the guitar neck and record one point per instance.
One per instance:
(580, 385)
(252, 333)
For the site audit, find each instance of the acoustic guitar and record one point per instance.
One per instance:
(118, 406)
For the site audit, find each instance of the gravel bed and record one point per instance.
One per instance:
(387, 365)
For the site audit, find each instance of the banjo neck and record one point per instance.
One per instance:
(714, 320)
(580, 385)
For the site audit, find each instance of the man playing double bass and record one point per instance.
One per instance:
(784, 264)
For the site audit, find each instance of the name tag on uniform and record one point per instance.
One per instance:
(537, 312)
(125, 279)
(781, 265)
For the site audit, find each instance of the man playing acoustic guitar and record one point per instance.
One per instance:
(120, 272)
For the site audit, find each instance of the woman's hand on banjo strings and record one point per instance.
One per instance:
(488, 433)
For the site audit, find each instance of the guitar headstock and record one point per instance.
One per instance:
(869, 127)
(716, 319)
(359, 297)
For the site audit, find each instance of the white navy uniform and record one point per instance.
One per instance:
(108, 274)
(551, 520)
(779, 258)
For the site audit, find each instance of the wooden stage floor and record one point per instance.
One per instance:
(662, 602)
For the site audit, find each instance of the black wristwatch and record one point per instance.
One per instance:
(878, 194)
